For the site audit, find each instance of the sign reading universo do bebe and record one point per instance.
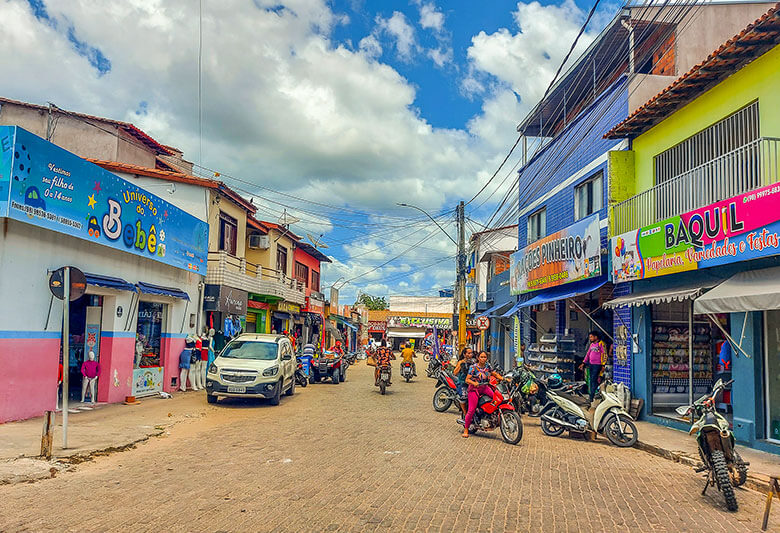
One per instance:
(47, 186)
(737, 229)
(571, 254)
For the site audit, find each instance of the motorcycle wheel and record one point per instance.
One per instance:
(408, 379)
(511, 427)
(441, 400)
(551, 429)
(723, 479)
(621, 432)
(427, 357)
(738, 470)
(382, 388)
(304, 382)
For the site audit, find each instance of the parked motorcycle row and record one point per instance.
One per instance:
(558, 405)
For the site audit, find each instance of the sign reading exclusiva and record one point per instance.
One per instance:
(46, 186)
(737, 229)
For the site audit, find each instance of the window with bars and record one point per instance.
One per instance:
(721, 138)
(589, 196)
(281, 259)
(302, 273)
(228, 233)
(537, 225)
(315, 280)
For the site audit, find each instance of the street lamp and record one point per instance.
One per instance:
(461, 267)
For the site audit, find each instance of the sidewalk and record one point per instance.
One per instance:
(106, 428)
(680, 447)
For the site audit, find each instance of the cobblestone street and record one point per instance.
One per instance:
(344, 458)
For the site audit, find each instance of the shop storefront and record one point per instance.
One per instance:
(257, 317)
(284, 317)
(227, 308)
(416, 330)
(67, 211)
(377, 330)
(562, 286)
(704, 301)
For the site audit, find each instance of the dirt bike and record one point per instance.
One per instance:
(725, 468)
(497, 412)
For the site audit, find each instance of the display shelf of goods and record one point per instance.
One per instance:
(553, 355)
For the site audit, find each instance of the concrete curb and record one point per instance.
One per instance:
(756, 481)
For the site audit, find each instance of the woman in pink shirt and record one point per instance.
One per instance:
(593, 360)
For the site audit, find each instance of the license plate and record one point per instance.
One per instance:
(385, 376)
(236, 389)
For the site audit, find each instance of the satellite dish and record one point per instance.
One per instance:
(286, 219)
(315, 241)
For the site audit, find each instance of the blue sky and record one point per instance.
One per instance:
(333, 110)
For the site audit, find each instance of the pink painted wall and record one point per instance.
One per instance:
(314, 266)
(171, 349)
(116, 354)
(28, 377)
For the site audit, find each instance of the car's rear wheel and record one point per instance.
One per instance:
(277, 394)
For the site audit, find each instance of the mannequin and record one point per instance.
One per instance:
(195, 365)
(139, 350)
(204, 357)
(89, 371)
(185, 365)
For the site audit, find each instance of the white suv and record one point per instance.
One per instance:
(253, 366)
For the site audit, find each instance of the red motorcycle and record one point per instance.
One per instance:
(497, 413)
(446, 392)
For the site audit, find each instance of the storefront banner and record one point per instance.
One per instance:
(315, 306)
(377, 325)
(225, 299)
(518, 340)
(251, 304)
(6, 166)
(147, 381)
(571, 254)
(57, 190)
(287, 307)
(737, 229)
(418, 322)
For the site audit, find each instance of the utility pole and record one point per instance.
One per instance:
(461, 276)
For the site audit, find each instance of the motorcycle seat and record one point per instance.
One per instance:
(484, 399)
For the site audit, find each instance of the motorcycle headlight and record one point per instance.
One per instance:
(271, 371)
(213, 369)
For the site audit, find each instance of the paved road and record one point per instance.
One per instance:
(343, 458)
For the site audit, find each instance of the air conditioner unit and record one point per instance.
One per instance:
(259, 242)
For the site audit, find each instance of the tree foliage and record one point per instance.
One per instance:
(374, 303)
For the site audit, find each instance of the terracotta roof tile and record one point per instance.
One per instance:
(752, 42)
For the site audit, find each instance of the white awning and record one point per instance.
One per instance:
(407, 333)
(674, 294)
(754, 290)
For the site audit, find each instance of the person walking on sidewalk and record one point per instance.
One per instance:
(594, 358)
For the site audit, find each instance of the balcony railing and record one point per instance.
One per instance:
(225, 269)
(749, 167)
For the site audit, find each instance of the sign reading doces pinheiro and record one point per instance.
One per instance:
(571, 254)
(737, 229)
(57, 190)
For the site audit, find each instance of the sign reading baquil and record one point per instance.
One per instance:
(571, 254)
(737, 229)
(57, 190)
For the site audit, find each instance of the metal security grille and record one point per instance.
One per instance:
(725, 136)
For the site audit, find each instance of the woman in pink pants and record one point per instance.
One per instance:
(478, 380)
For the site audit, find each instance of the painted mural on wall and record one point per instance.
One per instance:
(57, 190)
(6, 167)
(571, 254)
(737, 229)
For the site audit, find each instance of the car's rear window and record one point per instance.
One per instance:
(259, 351)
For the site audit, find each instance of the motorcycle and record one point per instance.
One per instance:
(384, 379)
(610, 418)
(494, 413)
(406, 371)
(446, 392)
(725, 468)
(301, 374)
(350, 358)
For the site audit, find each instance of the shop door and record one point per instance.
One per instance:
(148, 372)
(92, 335)
(772, 335)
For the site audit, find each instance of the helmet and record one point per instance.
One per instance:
(554, 381)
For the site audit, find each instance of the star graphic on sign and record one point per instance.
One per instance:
(96, 188)
(91, 201)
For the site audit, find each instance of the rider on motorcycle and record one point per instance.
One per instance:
(478, 380)
(407, 356)
(383, 357)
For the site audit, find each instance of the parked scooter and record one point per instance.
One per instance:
(609, 419)
(725, 468)
(301, 373)
(497, 413)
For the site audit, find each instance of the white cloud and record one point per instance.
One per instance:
(402, 32)
(370, 46)
(430, 18)
(440, 56)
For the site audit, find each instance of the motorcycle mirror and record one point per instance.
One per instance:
(682, 410)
